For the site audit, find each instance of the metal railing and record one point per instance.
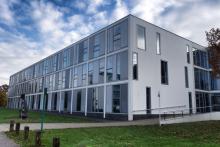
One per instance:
(175, 112)
(167, 115)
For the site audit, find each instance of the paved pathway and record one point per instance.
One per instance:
(6, 142)
(36, 126)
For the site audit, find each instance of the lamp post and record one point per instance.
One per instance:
(42, 112)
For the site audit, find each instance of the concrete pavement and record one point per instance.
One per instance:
(36, 126)
(6, 142)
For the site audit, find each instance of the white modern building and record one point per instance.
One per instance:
(128, 69)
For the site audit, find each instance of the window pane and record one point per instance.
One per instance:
(141, 40)
(186, 77)
(188, 54)
(135, 66)
(118, 36)
(158, 43)
(164, 73)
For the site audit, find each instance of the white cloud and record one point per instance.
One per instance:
(120, 11)
(6, 15)
(93, 6)
(187, 18)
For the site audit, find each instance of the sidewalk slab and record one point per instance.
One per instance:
(37, 126)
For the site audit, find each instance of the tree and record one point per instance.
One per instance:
(3, 95)
(213, 38)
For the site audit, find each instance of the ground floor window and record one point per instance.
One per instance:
(117, 98)
(95, 102)
(78, 103)
(202, 102)
(215, 97)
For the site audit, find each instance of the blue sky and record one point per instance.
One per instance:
(33, 29)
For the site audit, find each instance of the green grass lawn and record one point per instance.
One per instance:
(33, 117)
(201, 134)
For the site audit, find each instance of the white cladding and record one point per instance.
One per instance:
(173, 50)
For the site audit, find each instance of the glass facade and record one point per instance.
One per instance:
(117, 99)
(118, 36)
(215, 83)
(202, 102)
(95, 102)
(117, 67)
(201, 79)
(200, 58)
(71, 75)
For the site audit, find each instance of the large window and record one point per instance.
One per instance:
(200, 58)
(95, 101)
(141, 39)
(215, 83)
(186, 77)
(54, 63)
(158, 43)
(215, 99)
(97, 45)
(96, 72)
(135, 66)
(201, 79)
(83, 51)
(164, 72)
(66, 58)
(118, 36)
(117, 99)
(117, 67)
(202, 102)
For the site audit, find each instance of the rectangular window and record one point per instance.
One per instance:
(97, 45)
(158, 42)
(82, 51)
(164, 73)
(186, 77)
(141, 39)
(75, 77)
(116, 99)
(84, 74)
(101, 70)
(135, 66)
(90, 74)
(118, 36)
(109, 69)
(188, 53)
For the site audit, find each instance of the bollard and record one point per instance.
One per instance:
(56, 142)
(26, 132)
(17, 128)
(38, 138)
(12, 123)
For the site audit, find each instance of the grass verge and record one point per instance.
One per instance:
(200, 134)
(34, 117)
